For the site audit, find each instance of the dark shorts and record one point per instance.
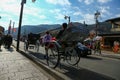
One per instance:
(46, 43)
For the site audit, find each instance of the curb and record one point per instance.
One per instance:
(111, 56)
(108, 54)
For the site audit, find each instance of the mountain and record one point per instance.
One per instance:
(37, 28)
(26, 29)
(76, 31)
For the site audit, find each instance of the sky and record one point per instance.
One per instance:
(53, 11)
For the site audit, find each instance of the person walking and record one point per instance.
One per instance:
(97, 47)
(116, 47)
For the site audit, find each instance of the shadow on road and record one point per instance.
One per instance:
(92, 57)
(38, 55)
(82, 74)
(75, 73)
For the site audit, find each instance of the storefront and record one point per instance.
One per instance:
(108, 39)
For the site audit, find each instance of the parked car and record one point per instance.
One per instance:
(83, 50)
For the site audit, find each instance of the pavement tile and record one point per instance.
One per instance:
(14, 66)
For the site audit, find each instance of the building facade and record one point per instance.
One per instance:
(108, 39)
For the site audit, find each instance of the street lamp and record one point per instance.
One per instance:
(67, 17)
(97, 14)
(20, 22)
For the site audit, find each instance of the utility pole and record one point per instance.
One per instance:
(67, 17)
(20, 22)
(13, 27)
(96, 15)
(9, 27)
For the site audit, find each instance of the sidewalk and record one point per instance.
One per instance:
(40, 62)
(109, 54)
(14, 66)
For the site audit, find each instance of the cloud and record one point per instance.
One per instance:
(87, 2)
(34, 11)
(77, 13)
(118, 15)
(55, 11)
(104, 10)
(58, 14)
(11, 6)
(89, 18)
(104, 1)
(59, 2)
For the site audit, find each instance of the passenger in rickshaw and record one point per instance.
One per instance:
(46, 40)
(60, 35)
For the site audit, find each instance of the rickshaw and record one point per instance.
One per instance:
(32, 41)
(58, 52)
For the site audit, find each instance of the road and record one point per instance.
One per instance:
(93, 67)
(106, 66)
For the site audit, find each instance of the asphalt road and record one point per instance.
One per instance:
(103, 65)
(93, 67)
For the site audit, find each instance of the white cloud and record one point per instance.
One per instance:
(87, 2)
(58, 14)
(55, 11)
(59, 2)
(33, 11)
(10, 6)
(118, 15)
(89, 18)
(77, 13)
(76, 10)
(104, 10)
(104, 1)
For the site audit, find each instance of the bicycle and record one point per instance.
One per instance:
(56, 52)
